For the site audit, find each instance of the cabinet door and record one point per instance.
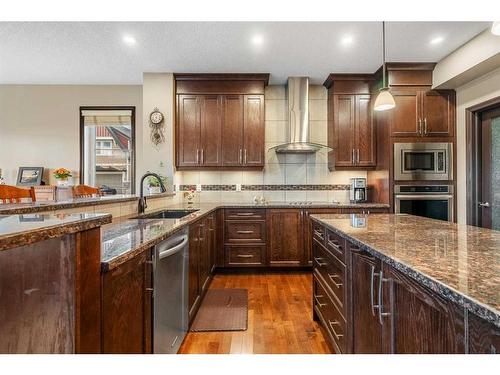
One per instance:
(212, 238)
(211, 127)
(405, 120)
(204, 266)
(438, 113)
(343, 129)
(232, 130)
(285, 238)
(126, 314)
(193, 277)
(418, 320)
(364, 132)
(188, 131)
(367, 331)
(253, 131)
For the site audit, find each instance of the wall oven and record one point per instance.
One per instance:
(433, 201)
(423, 161)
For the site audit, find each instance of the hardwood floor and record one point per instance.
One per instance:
(279, 318)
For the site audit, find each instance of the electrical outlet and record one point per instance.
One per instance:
(238, 187)
(198, 187)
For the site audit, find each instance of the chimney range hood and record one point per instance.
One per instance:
(298, 120)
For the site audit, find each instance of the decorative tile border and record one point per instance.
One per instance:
(267, 187)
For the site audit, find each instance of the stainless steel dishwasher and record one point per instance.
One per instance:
(170, 313)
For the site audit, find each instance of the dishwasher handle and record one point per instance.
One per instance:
(175, 249)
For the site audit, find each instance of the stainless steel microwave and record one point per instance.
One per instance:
(423, 161)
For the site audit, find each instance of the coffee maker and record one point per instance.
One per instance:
(357, 194)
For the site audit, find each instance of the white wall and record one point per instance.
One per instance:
(158, 91)
(468, 95)
(39, 124)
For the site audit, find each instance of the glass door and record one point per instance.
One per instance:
(489, 197)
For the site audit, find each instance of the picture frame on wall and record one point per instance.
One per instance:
(29, 176)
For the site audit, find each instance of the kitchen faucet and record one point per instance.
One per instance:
(142, 199)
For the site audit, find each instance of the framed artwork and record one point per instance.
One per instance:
(29, 176)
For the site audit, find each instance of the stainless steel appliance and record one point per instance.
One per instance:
(357, 193)
(423, 161)
(170, 296)
(434, 201)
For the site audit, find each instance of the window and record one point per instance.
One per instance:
(107, 148)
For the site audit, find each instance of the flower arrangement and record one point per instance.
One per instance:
(190, 195)
(62, 173)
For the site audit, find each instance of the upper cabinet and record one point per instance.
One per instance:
(420, 111)
(351, 126)
(423, 113)
(220, 121)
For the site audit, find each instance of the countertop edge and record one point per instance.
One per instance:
(449, 293)
(18, 239)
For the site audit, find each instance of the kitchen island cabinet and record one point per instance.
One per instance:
(403, 295)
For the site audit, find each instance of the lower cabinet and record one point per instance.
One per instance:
(202, 258)
(285, 244)
(384, 310)
(127, 307)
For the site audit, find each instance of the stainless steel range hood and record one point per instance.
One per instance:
(298, 120)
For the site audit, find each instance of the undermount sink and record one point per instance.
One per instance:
(167, 214)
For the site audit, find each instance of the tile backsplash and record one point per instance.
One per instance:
(299, 177)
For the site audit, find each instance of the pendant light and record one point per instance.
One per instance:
(384, 100)
(495, 28)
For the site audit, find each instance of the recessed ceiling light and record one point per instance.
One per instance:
(129, 40)
(257, 40)
(437, 40)
(495, 28)
(347, 40)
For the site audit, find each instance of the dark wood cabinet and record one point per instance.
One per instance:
(366, 331)
(415, 319)
(253, 131)
(423, 113)
(286, 237)
(188, 131)
(127, 307)
(232, 130)
(194, 292)
(220, 121)
(353, 130)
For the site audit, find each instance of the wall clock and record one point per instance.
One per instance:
(156, 124)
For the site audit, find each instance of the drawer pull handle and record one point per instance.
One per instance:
(335, 323)
(332, 277)
(245, 214)
(381, 314)
(317, 297)
(372, 297)
(334, 244)
(321, 264)
(319, 234)
(245, 232)
(244, 256)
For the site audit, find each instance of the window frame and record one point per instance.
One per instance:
(82, 129)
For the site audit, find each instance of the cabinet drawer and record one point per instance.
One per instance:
(244, 213)
(318, 232)
(333, 274)
(245, 231)
(245, 256)
(335, 244)
(330, 317)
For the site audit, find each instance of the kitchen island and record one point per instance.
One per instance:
(49, 283)
(415, 284)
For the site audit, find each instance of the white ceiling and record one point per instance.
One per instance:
(94, 52)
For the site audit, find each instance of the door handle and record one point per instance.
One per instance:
(484, 204)
(381, 314)
(357, 156)
(316, 298)
(425, 126)
(202, 156)
(332, 278)
(353, 158)
(372, 297)
(197, 156)
(245, 157)
(240, 157)
(318, 260)
(419, 126)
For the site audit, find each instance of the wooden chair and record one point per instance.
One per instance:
(84, 191)
(13, 194)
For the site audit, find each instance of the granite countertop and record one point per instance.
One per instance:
(459, 262)
(42, 206)
(125, 239)
(21, 230)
